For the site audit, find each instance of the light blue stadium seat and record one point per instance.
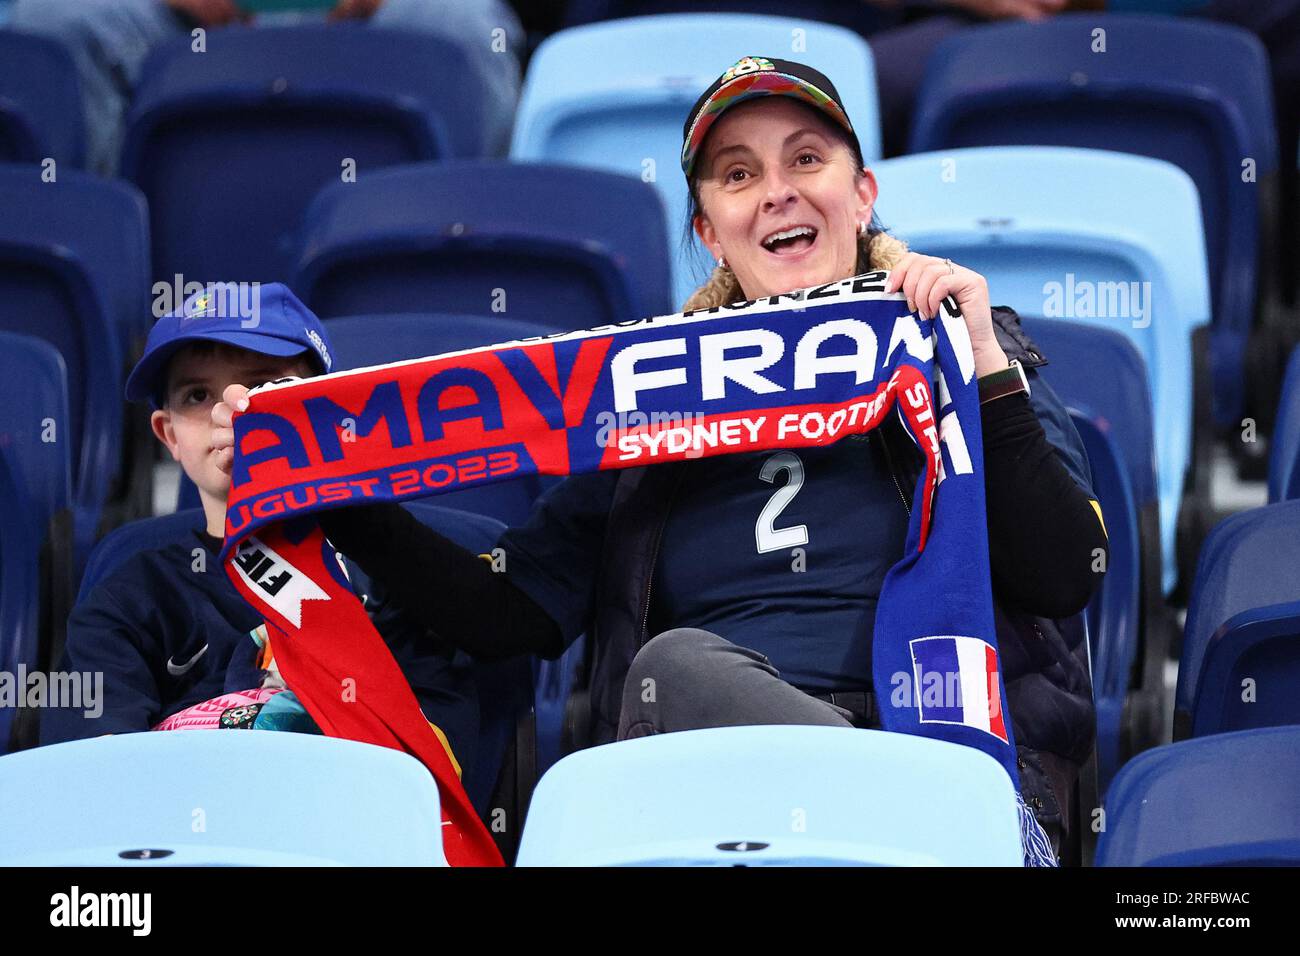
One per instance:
(41, 114)
(1241, 624)
(1226, 800)
(605, 95)
(1147, 92)
(216, 798)
(561, 247)
(1284, 455)
(231, 145)
(774, 795)
(1005, 212)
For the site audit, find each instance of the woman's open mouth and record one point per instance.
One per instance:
(791, 242)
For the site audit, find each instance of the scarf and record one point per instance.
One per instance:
(801, 369)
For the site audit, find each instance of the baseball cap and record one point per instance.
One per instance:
(268, 319)
(754, 76)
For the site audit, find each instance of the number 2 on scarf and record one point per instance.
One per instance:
(767, 536)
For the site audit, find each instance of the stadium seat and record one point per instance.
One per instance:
(1130, 623)
(774, 795)
(326, 802)
(603, 96)
(560, 247)
(1050, 251)
(361, 341)
(34, 422)
(1241, 644)
(230, 146)
(1226, 800)
(143, 535)
(41, 114)
(864, 18)
(1115, 613)
(1284, 454)
(74, 271)
(19, 588)
(1149, 94)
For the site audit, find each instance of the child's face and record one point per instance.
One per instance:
(196, 377)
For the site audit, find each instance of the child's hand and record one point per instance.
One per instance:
(235, 397)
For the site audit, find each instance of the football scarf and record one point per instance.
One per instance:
(795, 370)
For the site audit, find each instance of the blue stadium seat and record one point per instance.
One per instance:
(326, 802)
(534, 242)
(1226, 800)
(1284, 455)
(1129, 621)
(1235, 629)
(783, 795)
(1115, 613)
(41, 113)
(361, 341)
(1149, 94)
(603, 95)
(74, 271)
(1048, 251)
(20, 544)
(230, 146)
(34, 423)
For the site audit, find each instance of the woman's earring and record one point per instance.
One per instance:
(722, 262)
(862, 228)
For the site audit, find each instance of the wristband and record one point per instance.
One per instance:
(1007, 381)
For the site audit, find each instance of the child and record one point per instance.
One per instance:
(177, 645)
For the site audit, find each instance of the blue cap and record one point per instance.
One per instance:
(261, 318)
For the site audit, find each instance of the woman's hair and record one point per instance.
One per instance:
(876, 250)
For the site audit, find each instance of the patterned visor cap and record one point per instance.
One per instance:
(754, 76)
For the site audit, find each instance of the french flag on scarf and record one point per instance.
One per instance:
(962, 673)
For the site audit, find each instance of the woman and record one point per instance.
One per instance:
(715, 592)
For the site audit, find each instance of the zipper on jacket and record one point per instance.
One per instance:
(894, 474)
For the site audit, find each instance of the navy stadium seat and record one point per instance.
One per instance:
(605, 96)
(19, 588)
(1284, 455)
(41, 113)
(1130, 623)
(1226, 800)
(34, 425)
(1241, 644)
(1114, 614)
(1149, 93)
(563, 248)
(230, 146)
(74, 271)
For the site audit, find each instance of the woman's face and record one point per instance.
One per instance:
(774, 168)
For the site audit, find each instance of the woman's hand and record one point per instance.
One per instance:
(928, 280)
(234, 398)
(209, 13)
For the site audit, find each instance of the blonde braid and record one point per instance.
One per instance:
(875, 252)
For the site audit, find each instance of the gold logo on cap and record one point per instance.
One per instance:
(748, 64)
